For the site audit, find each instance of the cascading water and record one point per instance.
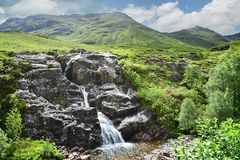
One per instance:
(85, 97)
(113, 142)
(72, 60)
(110, 135)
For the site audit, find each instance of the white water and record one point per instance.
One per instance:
(113, 142)
(110, 135)
(73, 59)
(85, 97)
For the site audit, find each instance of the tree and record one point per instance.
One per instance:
(194, 77)
(14, 124)
(220, 106)
(224, 85)
(188, 114)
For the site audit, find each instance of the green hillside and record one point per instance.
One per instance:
(19, 41)
(199, 36)
(100, 29)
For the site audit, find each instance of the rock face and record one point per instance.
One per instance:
(55, 107)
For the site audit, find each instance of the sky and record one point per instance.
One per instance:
(221, 16)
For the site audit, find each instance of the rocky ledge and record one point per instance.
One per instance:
(52, 92)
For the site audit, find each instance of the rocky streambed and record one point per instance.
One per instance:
(55, 102)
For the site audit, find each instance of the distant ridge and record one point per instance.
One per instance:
(233, 37)
(116, 29)
(199, 36)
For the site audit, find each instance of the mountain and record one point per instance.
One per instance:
(199, 36)
(101, 29)
(233, 37)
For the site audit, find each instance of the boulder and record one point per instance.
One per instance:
(220, 48)
(194, 56)
(55, 103)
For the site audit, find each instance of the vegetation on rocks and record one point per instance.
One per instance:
(180, 88)
(215, 141)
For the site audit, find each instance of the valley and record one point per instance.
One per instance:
(79, 82)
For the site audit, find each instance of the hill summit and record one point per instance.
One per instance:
(199, 36)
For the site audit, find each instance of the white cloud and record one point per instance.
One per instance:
(28, 7)
(219, 15)
(23, 8)
(2, 11)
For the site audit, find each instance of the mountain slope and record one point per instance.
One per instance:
(199, 36)
(101, 29)
(233, 37)
(18, 41)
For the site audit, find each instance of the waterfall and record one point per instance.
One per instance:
(113, 142)
(73, 59)
(85, 97)
(110, 135)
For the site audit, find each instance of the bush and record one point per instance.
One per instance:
(11, 101)
(3, 143)
(14, 124)
(30, 149)
(214, 142)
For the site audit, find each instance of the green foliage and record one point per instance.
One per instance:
(8, 73)
(188, 114)
(14, 124)
(19, 41)
(3, 143)
(215, 142)
(220, 106)
(223, 87)
(32, 149)
(193, 77)
(10, 102)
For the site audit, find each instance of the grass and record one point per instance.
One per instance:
(18, 41)
(152, 81)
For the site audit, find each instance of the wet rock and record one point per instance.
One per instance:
(55, 106)
(94, 68)
(134, 127)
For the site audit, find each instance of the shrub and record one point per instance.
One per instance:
(32, 149)
(214, 142)
(10, 101)
(187, 115)
(14, 124)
